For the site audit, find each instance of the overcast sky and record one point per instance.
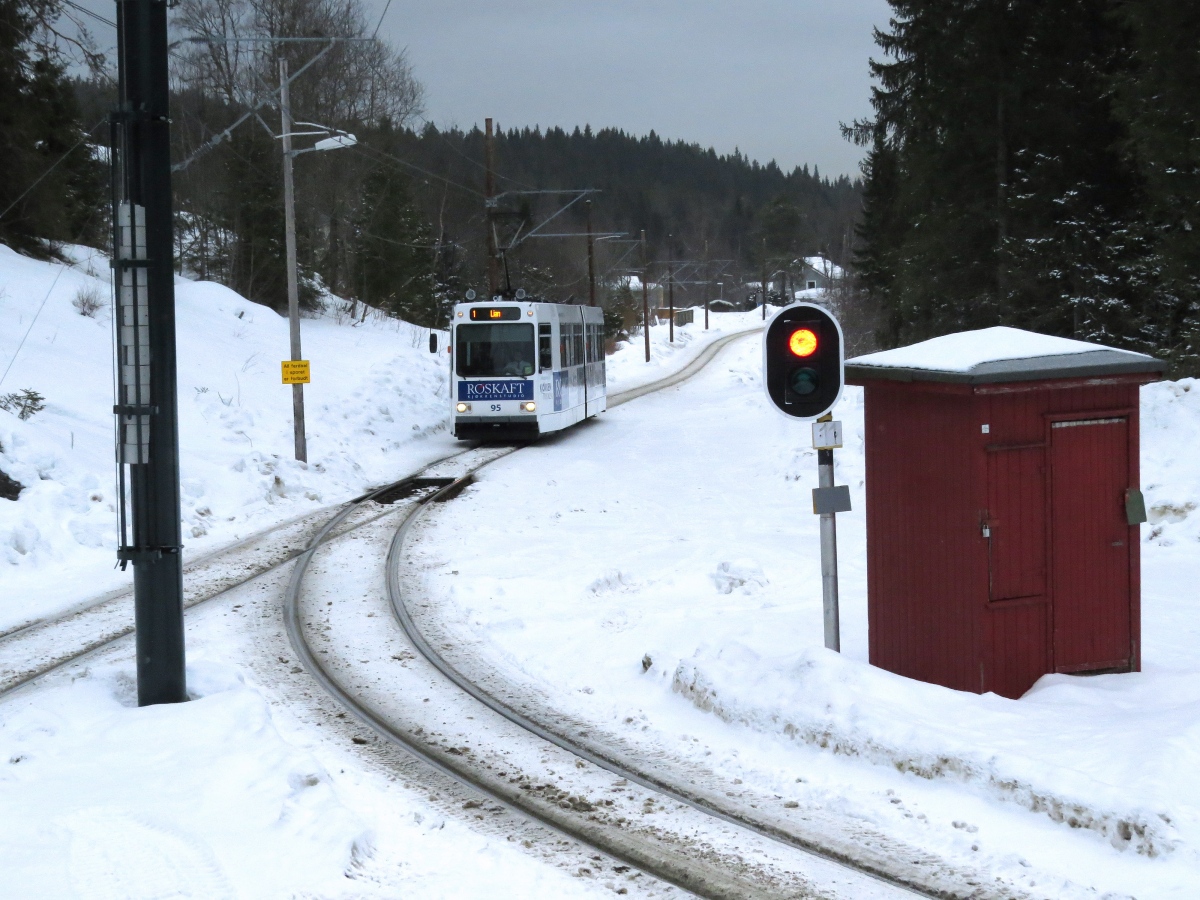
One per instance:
(771, 77)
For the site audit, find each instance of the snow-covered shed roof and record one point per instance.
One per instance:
(824, 266)
(997, 354)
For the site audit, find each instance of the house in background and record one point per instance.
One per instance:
(816, 273)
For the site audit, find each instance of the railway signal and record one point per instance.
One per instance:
(803, 373)
(803, 361)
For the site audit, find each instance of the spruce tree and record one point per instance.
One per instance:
(1158, 100)
(995, 192)
(41, 137)
(393, 252)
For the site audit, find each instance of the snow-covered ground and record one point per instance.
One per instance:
(655, 570)
(658, 571)
(376, 406)
(232, 795)
(376, 410)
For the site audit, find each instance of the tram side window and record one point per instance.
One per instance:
(589, 340)
(577, 336)
(564, 345)
(545, 360)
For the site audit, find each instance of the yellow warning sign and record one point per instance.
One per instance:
(295, 371)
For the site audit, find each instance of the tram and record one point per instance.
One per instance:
(522, 369)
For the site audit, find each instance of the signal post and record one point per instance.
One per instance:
(803, 374)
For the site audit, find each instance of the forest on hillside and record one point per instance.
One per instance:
(1037, 163)
(1029, 162)
(396, 221)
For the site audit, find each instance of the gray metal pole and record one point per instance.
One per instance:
(147, 388)
(289, 210)
(829, 572)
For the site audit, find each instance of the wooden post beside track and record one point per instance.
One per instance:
(645, 297)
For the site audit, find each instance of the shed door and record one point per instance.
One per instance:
(1018, 616)
(1090, 537)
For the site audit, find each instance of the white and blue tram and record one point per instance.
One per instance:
(522, 369)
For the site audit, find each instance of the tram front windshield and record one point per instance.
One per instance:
(495, 349)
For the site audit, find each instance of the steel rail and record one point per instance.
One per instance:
(608, 763)
(692, 876)
(12, 634)
(597, 757)
(112, 597)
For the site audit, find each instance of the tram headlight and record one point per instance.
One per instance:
(529, 406)
(463, 407)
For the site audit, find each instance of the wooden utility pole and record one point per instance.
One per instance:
(645, 297)
(293, 289)
(671, 287)
(706, 286)
(591, 258)
(764, 280)
(489, 219)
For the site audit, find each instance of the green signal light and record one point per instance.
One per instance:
(804, 381)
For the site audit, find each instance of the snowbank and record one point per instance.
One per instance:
(102, 799)
(377, 406)
(377, 409)
(627, 368)
(1044, 752)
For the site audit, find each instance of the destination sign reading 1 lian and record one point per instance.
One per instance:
(496, 313)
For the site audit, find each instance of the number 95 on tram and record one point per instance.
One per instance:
(521, 369)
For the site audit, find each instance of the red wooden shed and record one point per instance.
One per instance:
(1001, 479)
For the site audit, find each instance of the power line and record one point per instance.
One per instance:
(474, 162)
(88, 12)
(416, 168)
(17, 352)
(25, 193)
(386, 7)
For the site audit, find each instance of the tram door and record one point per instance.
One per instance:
(1090, 544)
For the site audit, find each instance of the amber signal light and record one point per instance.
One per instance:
(803, 342)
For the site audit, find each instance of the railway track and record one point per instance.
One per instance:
(33, 649)
(634, 814)
(713, 847)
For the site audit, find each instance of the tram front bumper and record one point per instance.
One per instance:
(496, 427)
